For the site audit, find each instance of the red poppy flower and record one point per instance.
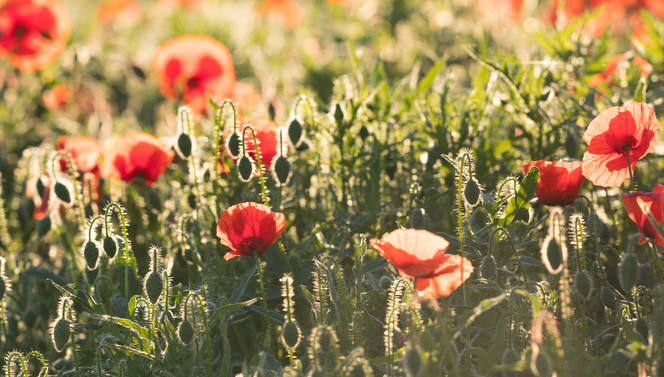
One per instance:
(614, 133)
(419, 254)
(559, 181)
(652, 203)
(289, 12)
(139, 155)
(86, 152)
(33, 33)
(248, 227)
(191, 67)
(127, 10)
(266, 134)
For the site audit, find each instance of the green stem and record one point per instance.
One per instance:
(73, 343)
(92, 224)
(258, 161)
(460, 210)
(107, 213)
(629, 169)
(207, 331)
(260, 280)
(72, 171)
(509, 239)
(219, 115)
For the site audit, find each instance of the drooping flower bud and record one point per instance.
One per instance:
(583, 284)
(91, 254)
(295, 132)
(471, 192)
(62, 192)
(186, 331)
(234, 145)
(110, 246)
(282, 170)
(184, 145)
(43, 226)
(291, 335)
(153, 286)
(628, 271)
(246, 168)
(488, 267)
(60, 333)
(607, 297)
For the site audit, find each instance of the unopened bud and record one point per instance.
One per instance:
(246, 168)
(413, 362)
(60, 333)
(552, 255)
(153, 286)
(338, 114)
(291, 334)
(62, 192)
(488, 267)
(628, 271)
(40, 188)
(184, 145)
(110, 246)
(91, 254)
(608, 298)
(43, 226)
(282, 170)
(542, 366)
(233, 145)
(186, 331)
(583, 284)
(471, 192)
(295, 132)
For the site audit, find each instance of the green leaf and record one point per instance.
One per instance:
(519, 202)
(427, 81)
(640, 91)
(222, 311)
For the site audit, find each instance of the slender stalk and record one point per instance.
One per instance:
(217, 139)
(72, 171)
(260, 280)
(258, 161)
(207, 330)
(629, 169)
(107, 213)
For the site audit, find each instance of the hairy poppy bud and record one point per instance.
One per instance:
(120, 305)
(643, 276)
(552, 255)
(542, 365)
(488, 267)
(91, 254)
(338, 115)
(110, 246)
(43, 226)
(233, 145)
(102, 290)
(184, 145)
(186, 331)
(583, 284)
(153, 286)
(608, 298)
(282, 170)
(295, 132)
(419, 219)
(413, 362)
(628, 271)
(62, 192)
(40, 188)
(60, 333)
(246, 168)
(641, 327)
(364, 132)
(191, 200)
(471, 192)
(291, 334)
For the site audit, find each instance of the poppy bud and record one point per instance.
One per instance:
(246, 168)
(191, 200)
(364, 132)
(628, 271)
(304, 146)
(471, 192)
(643, 276)
(153, 199)
(184, 145)
(43, 226)
(29, 318)
(88, 211)
(120, 305)
(62, 192)
(510, 356)
(608, 298)
(338, 115)
(419, 219)
(413, 362)
(271, 112)
(233, 145)
(583, 284)
(282, 170)
(110, 246)
(290, 335)
(40, 188)
(60, 333)
(385, 282)
(153, 286)
(542, 366)
(488, 267)
(91, 254)
(186, 331)
(553, 255)
(295, 132)
(102, 290)
(641, 327)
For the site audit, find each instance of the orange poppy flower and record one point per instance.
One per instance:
(559, 181)
(56, 97)
(248, 227)
(139, 155)
(612, 69)
(419, 254)
(182, 3)
(191, 67)
(652, 203)
(127, 10)
(86, 152)
(33, 33)
(614, 133)
(266, 134)
(288, 12)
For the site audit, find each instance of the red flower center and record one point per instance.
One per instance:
(250, 244)
(629, 144)
(20, 31)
